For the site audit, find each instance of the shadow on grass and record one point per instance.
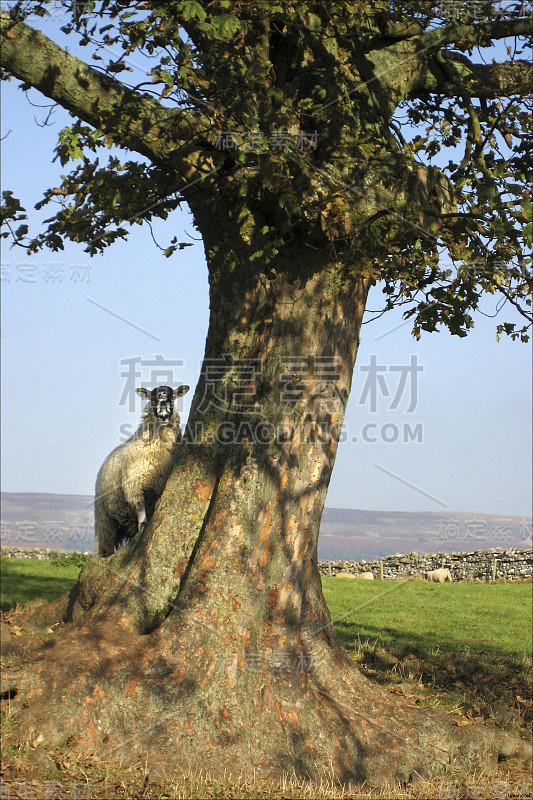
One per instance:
(481, 681)
(18, 588)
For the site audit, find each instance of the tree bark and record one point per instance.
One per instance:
(487, 81)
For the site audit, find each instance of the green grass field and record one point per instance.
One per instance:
(466, 647)
(464, 617)
(24, 579)
(463, 647)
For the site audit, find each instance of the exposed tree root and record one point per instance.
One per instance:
(108, 691)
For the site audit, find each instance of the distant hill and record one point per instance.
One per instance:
(57, 521)
(65, 522)
(354, 534)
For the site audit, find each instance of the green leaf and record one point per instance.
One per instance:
(225, 26)
(192, 10)
(119, 67)
(21, 231)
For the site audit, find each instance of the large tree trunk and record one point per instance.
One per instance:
(206, 641)
(259, 449)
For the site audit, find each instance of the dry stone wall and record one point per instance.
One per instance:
(40, 553)
(481, 565)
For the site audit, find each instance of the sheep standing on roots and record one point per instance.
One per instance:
(133, 476)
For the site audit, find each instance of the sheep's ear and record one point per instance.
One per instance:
(144, 393)
(181, 391)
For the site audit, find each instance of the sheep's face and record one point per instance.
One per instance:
(162, 402)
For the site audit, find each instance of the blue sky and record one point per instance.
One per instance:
(64, 348)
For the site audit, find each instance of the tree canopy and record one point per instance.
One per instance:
(379, 128)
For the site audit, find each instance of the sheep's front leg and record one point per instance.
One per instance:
(133, 493)
(141, 517)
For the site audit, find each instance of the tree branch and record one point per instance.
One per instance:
(401, 30)
(486, 81)
(168, 137)
(464, 36)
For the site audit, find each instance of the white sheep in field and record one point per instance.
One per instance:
(133, 476)
(365, 576)
(440, 575)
